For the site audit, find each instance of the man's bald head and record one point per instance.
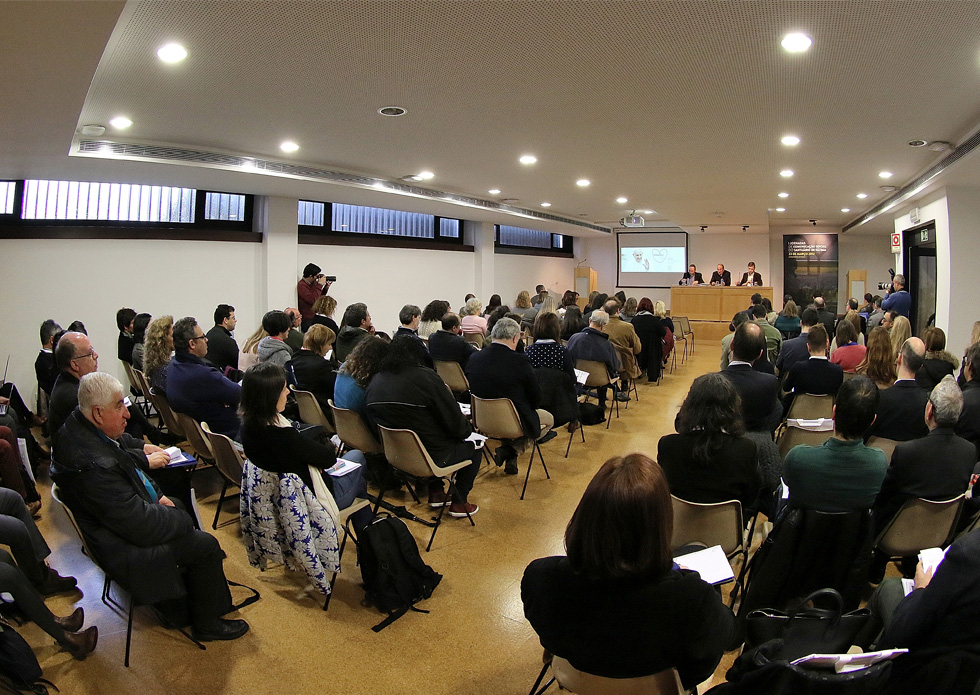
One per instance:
(912, 354)
(749, 342)
(76, 355)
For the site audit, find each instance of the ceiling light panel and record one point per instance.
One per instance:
(171, 53)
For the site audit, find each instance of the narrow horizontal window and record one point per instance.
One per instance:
(7, 197)
(310, 214)
(528, 238)
(110, 202)
(229, 207)
(358, 219)
(448, 228)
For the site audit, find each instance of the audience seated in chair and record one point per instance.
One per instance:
(222, 349)
(900, 409)
(406, 395)
(157, 348)
(142, 540)
(197, 389)
(593, 344)
(447, 344)
(125, 343)
(44, 365)
(498, 371)
(969, 425)
(761, 409)
(709, 460)
(843, 474)
(294, 339)
(311, 367)
(795, 350)
(623, 336)
(410, 317)
(273, 348)
(272, 443)
(617, 605)
(356, 373)
(817, 375)
(847, 351)
(356, 327)
(650, 331)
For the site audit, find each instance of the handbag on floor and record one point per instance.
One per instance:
(807, 630)
(19, 669)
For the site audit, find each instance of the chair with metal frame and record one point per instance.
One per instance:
(167, 415)
(569, 678)
(497, 418)
(477, 339)
(625, 378)
(718, 523)
(230, 464)
(405, 451)
(136, 388)
(791, 436)
(195, 435)
(686, 331)
(599, 377)
(918, 525)
(310, 411)
(107, 584)
(143, 384)
(453, 375)
(679, 337)
(809, 406)
(341, 518)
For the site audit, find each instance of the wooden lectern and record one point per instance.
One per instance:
(586, 281)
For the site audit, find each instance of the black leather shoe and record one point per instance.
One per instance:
(510, 468)
(221, 630)
(54, 583)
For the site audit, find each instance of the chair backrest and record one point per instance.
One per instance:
(667, 682)
(794, 436)
(919, 524)
(131, 377)
(195, 435)
(598, 373)
(353, 432)
(476, 338)
(496, 418)
(169, 419)
(56, 496)
(323, 495)
(228, 460)
(685, 324)
(404, 451)
(452, 373)
(719, 523)
(807, 406)
(310, 411)
(886, 445)
(142, 383)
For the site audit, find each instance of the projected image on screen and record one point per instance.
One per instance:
(651, 259)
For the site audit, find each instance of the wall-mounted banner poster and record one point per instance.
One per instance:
(810, 268)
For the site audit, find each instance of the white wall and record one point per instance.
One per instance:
(514, 273)
(733, 250)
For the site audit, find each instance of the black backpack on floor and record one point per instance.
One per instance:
(395, 578)
(19, 670)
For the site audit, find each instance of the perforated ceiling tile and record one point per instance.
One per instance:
(677, 105)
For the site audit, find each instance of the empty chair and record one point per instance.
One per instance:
(229, 462)
(405, 452)
(497, 418)
(918, 525)
(807, 406)
(599, 377)
(679, 337)
(685, 326)
(453, 375)
(310, 411)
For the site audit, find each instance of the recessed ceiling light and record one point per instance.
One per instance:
(845, 209)
(780, 209)
(392, 111)
(884, 174)
(796, 42)
(649, 212)
(171, 53)
(621, 199)
(93, 130)
(862, 196)
(783, 195)
(889, 189)
(425, 175)
(790, 140)
(416, 177)
(528, 159)
(289, 146)
(786, 173)
(917, 143)
(546, 205)
(120, 122)
(582, 182)
(494, 191)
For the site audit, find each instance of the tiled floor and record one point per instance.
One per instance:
(474, 640)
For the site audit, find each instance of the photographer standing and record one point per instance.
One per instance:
(898, 299)
(313, 286)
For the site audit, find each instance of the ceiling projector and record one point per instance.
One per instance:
(631, 221)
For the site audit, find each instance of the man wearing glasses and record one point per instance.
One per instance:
(196, 388)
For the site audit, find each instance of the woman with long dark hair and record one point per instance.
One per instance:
(879, 359)
(273, 443)
(651, 331)
(709, 460)
(572, 322)
(431, 320)
(617, 606)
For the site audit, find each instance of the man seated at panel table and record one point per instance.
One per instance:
(750, 277)
(692, 276)
(721, 276)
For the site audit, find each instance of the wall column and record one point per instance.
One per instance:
(483, 261)
(276, 219)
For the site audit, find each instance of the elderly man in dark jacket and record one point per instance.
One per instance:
(592, 344)
(137, 535)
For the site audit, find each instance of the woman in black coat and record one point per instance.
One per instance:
(617, 606)
(650, 330)
(313, 369)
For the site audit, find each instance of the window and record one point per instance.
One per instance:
(228, 207)
(519, 237)
(111, 202)
(7, 193)
(310, 213)
(358, 219)
(448, 228)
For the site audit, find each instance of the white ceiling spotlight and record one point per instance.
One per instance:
(780, 209)
(622, 199)
(796, 42)
(288, 146)
(790, 140)
(862, 196)
(528, 159)
(120, 122)
(494, 191)
(884, 174)
(171, 53)
(782, 195)
(546, 205)
(845, 209)
(786, 173)
(582, 183)
(425, 175)
(392, 111)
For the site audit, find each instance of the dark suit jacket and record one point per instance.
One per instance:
(449, 347)
(697, 277)
(756, 279)
(725, 278)
(761, 409)
(816, 376)
(969, 425)
(828, 320)
(222, 348)
(901, 412)
(423, 348)
(496, 371)
(46, 371)
(793, 351)
(935, 467)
